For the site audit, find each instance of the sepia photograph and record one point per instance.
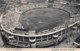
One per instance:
(39, 23)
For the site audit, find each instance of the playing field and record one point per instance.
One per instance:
(43, 18)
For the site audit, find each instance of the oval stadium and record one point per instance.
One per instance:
(38, 25)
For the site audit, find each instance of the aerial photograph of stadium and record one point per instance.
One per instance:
(39, 23)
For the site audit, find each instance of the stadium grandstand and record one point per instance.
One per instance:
(38, 23)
